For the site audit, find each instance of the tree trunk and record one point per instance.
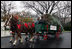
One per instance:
(46, 11)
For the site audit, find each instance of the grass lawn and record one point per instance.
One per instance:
(66, 31)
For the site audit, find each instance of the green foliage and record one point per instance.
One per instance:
(67, 26)
(52, 20)
(26, 19)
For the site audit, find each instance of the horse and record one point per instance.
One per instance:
(18, 28)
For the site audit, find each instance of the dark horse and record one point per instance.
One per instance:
(18, 27)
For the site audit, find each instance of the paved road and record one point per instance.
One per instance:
(63, 42)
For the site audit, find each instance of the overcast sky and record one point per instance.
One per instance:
(19, 7)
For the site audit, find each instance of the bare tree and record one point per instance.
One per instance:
(6, 7)
(63, 10)
(66, 11)
(41, 7)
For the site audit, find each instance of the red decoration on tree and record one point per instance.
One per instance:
(26, 25)
(33, 25)
(19, 26)
(45, 37)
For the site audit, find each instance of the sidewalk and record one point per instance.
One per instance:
(5, 33)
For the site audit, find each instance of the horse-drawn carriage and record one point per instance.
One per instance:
(39, 28)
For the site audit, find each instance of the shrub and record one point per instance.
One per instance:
(67, 26)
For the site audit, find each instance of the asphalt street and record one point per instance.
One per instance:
(63, 42)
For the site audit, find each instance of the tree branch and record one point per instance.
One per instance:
(31, 6)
